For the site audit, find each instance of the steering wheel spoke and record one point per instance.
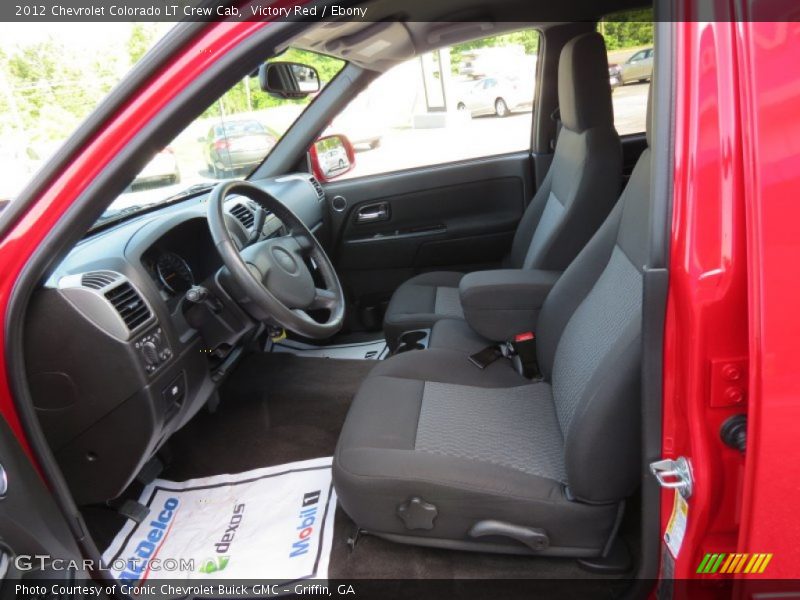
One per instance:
(304, 242)
(323, 299)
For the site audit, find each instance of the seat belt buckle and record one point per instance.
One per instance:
(524, 346)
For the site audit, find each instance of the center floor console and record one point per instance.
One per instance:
(416, 339)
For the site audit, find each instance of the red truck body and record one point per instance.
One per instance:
(733, 315)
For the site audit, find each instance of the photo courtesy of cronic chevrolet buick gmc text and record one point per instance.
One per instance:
(371, 306)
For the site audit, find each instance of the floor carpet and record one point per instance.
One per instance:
(275, 409)
(280, 408)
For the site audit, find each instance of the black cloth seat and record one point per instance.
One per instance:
(575, 197)
(433, 446)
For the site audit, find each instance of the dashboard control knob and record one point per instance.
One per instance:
(150, 353)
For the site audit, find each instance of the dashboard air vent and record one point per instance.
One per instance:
(96, 280)
(318, 187)
(129, 304)
(244, 215)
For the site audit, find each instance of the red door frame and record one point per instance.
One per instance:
(732, 321)
(770, 521)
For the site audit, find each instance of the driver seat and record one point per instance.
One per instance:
(437, 452)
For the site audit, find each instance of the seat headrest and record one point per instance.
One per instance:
(584, 93)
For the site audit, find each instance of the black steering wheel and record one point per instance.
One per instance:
(271, 277)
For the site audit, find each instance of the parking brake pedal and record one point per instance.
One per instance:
(534, 538)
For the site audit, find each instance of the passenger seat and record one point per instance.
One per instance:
(575, 197)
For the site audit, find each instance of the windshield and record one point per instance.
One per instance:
(51, 78)
(229, 140)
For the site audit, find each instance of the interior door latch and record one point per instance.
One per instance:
(373, 213)
(675, 474)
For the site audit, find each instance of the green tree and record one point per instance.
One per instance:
(627, 29)
(527, 38)
(140, 40)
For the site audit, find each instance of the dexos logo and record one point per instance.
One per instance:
(214, 565)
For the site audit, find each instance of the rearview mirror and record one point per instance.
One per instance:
(332, 156)
(288, 79)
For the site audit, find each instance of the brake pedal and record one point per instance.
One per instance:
(134, 511)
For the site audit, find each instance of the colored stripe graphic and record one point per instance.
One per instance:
(747, 563)
(703, 563)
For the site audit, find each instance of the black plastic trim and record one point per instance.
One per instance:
(656, 285)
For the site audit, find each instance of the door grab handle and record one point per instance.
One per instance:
(373, 213)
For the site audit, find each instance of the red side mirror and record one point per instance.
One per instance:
(332, 156)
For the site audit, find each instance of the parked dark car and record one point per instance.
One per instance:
(235, 145)
(638, 67)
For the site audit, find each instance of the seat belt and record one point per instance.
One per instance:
(556, 118)
(520, 350)
(524, 357)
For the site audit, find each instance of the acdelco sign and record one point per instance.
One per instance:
(160, 527)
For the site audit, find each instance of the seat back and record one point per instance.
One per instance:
(583, 181)
(589, 347)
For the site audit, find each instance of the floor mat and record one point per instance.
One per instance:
(369, 350)
(271, 523)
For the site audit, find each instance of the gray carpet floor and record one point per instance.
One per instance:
(279, 408)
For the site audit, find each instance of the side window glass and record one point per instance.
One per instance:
(457, 103)
(629, 42)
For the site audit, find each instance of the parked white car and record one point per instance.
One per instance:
(162, 169)
(495, 96)
(362, 122)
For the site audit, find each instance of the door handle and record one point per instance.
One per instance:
(373, 213)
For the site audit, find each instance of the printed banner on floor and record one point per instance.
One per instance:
(273, 523)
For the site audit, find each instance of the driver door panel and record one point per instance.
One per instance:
(459, 216)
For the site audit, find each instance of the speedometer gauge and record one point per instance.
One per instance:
(174, 273)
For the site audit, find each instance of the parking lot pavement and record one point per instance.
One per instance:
(404, 148)
(630, 107)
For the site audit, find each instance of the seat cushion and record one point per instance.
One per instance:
(421, 301)
(490, 448)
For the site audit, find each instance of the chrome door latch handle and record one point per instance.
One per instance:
(3, 482)
(674, 474)
(373, 213)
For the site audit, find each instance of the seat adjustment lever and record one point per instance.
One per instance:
(534, 538)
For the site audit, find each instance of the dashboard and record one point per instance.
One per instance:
(119, 356)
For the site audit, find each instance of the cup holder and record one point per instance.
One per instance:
(413, 340)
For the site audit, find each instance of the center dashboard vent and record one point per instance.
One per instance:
(129, 304)
(317, 187)
(244, 215)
